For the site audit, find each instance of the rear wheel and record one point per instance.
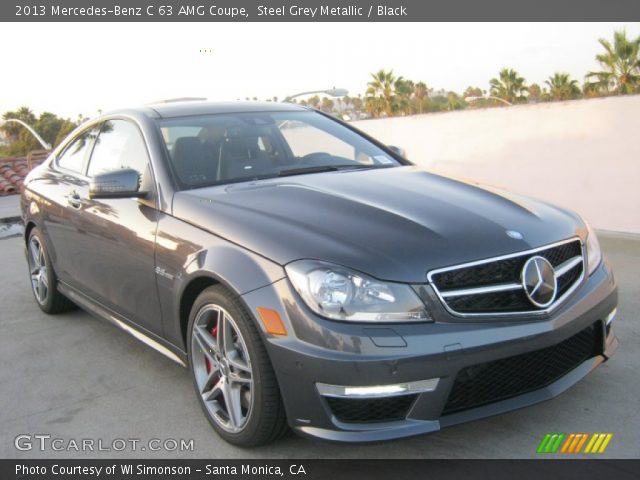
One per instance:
(232, 374)
(43, 277)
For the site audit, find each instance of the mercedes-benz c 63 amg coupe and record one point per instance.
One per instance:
(310, 277)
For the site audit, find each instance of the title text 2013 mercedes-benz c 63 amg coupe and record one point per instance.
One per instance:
(312, 278)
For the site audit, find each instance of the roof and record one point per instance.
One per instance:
(181, 109)
(12, 173)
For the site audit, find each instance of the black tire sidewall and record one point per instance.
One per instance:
(46, 306)
(218, 295)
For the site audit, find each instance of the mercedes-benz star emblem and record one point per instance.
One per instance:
(539, 281)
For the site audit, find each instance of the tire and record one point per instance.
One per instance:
(43, 277)
(228, 360)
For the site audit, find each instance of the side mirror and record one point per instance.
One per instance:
(124, 183)
(398, 150)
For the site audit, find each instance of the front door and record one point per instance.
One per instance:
(118, 254)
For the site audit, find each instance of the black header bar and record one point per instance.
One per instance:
(319, 469)
(317, 10)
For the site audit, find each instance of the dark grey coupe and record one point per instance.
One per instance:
(311, 277)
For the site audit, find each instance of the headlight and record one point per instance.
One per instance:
(342, 294)
(594, 255)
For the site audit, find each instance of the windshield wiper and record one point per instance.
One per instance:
(319, 169)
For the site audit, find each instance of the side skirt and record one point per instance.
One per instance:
(98, 310)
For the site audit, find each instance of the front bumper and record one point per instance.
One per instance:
(319, 351)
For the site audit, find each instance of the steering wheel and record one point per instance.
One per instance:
(315, 157)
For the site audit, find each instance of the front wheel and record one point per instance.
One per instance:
(232, 374)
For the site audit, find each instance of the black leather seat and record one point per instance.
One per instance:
(193, 162)
(242, 157)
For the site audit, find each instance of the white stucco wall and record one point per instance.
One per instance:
(582, 154)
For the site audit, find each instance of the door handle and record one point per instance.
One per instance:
(74, 200)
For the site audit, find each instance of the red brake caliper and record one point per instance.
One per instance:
(214, 332)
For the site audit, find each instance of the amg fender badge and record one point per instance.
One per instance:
(163, 273)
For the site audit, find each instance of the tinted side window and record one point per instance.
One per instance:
(75, 154)
(119, 145)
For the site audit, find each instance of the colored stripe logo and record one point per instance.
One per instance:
(574, 443)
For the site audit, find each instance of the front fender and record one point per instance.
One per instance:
(188, 259)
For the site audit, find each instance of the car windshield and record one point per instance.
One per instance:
(226, 148)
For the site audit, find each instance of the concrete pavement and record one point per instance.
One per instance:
(72, 376)
(9, 208)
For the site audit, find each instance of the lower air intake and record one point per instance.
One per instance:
(490, 382)
(366, 410)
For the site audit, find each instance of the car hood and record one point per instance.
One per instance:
(395, 224)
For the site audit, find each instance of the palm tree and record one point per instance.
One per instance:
(478, 97)
(562, 87)
(534, 93)
(621, 66)
(314, 101)
(17, 132)
(420, 92)
(380, 93)
(454, 102)
(327, 104)
(473, 92)
(357, 103)
(590, 90)
(509, 86)
(403, 92)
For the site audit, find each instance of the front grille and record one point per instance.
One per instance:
(508, 301)
(568, 279)
(501, 379)
(365, 410)
(494, 286)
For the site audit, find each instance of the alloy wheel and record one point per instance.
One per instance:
(38, 269)
(222, 368)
